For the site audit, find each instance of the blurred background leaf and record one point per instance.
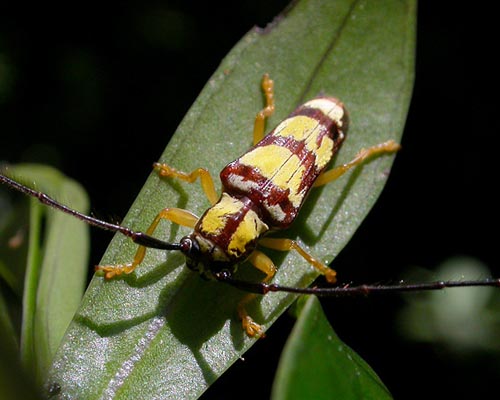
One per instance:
(54, 249)
(316, 364)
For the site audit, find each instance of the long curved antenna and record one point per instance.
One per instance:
(137, 237)
(342, 291)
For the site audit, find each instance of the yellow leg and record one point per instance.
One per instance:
(266, 265)
(387, 147)
(288, 244)
(267, 111)
(176, 215)
(207, 183)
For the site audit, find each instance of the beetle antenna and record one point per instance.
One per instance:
(140, 238)
(347, 290)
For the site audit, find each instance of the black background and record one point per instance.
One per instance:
(82, 80)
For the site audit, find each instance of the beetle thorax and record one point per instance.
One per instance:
(226, 234)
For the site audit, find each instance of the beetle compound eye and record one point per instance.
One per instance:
(191, 249)
(188, 246)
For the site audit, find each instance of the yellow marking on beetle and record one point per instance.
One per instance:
(289, 176)
(249, 230)
(308, 129)
(267, 159)
(280, 166)
(299, 127)
(214, 221)
(295, 175)
(334, 111)
(324, 152)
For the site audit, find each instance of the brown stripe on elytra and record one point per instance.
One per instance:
(317, 114)
(261, 190)
(251, 174)
(338, 134)
(264, 193)
(296, 147)
(328, 123)
(299, 147)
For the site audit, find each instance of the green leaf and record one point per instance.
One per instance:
(162, 332)
(316, 364)
(56, 266)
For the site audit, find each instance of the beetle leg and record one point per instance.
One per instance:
(207, 183)
(288, 244)
(175, 215)
(334, 173)
(267, 111)
(263, 263)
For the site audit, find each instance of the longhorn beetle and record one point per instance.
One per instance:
(263, 191)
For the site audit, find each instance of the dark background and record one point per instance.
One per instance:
(77, 82)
